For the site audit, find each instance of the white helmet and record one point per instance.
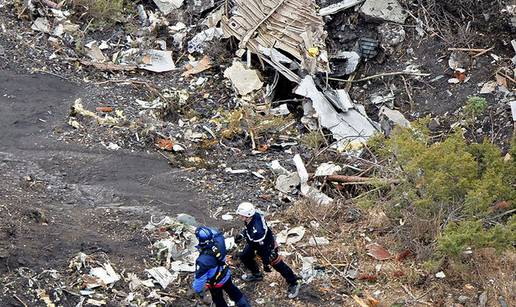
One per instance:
(246, 209)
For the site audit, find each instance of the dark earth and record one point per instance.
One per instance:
(57, 199)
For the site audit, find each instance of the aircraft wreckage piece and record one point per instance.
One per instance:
(351, 129)
(291, 26)
(289, 36)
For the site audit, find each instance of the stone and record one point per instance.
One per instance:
(389, 10)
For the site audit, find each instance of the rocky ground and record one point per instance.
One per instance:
(85, 176)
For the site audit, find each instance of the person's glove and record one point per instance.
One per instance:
(240, 237)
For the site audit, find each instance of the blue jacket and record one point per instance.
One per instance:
(211, 271)
(258, 234)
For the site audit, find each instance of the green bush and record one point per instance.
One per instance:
(459, 236)
(475, 106)
(451, 179)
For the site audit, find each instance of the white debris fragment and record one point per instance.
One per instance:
(278, 169)
(275, 55)
(337, 7)
(327, 169)
(378, 98)
(244, 80)
(340, 98)
(197, 43)
(307, 190)
(286, 183)
(167, 6)
(291, 236)
(488, 87)
(236, 171)
(105, 274)
(41, 25)
(258, 174)
(440, 274)
(230, 243)
(394, 116)
(389, 10)
(315, 241)
(352, 59)
(180, 266)
(351, 128)
(58, 30)
(112, 146)
(158, 61)
(161, 275)
(179, 26)
(280, 110)
(513, 109)
(227, 217)
(307, 270)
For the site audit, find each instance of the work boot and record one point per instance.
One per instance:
(252, 277)
(293, 289)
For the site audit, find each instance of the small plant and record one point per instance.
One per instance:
(312, 139)
(475, 106)
(103, 12)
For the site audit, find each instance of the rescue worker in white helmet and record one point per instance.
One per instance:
(260, 241)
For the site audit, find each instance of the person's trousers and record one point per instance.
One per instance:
(217, 296)
(248, 258)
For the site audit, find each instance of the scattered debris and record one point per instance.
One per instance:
(41, 24)
(194, 68)
(157, 61)
(291, 236)
(351, 60)
(351, 128)
(244, 80)
(440, 274)
(105, 274)
(389, 10)
(326, 169)
(198, 42)
(488, 87)
(287, 183)
(307, 190)
(304, 38)
(161, 275)
(337, 7)
(390, 118)
(378, 252)
(316, 241)
(168, 6)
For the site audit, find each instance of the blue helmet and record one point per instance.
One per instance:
(204, 235)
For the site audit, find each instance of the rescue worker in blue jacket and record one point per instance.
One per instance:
(211, 270)
(260, 241)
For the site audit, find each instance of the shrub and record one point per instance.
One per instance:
(103, 12)
(459, 236)
(451, 180)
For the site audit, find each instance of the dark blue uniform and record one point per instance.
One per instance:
(212, 272)
(260, 241)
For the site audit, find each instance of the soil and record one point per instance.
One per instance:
(58, 199)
